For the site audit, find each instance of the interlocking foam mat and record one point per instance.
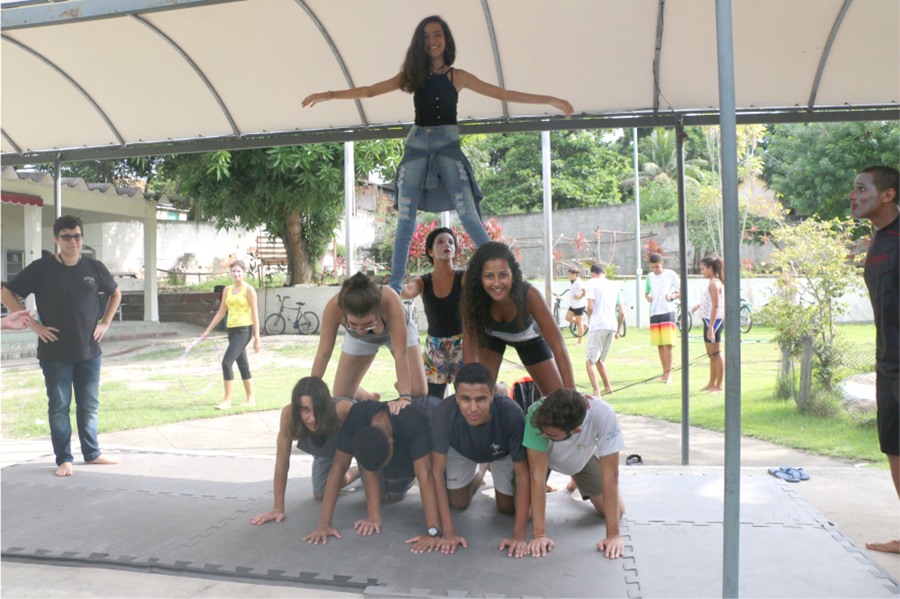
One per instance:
(189, 514)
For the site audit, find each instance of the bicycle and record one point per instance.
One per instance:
(746, 316)
(556, 307)
(306, 323)
(412, 312)
(690, 319)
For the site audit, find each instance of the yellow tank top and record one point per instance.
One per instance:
(238, 307)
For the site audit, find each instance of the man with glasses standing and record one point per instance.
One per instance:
(66, 287)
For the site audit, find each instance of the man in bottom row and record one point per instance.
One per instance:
(440, 444)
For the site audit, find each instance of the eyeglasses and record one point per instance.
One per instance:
(76, 237)
(360, 329)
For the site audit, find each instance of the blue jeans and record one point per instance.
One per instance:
(412, 177)
(60, 378)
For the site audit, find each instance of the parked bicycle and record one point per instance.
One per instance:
(557, 306)
(410, 307)
(306, 323)
(690, 320)
(746, 316)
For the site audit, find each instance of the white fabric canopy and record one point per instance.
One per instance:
(122, 75)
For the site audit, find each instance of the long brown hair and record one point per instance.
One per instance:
(327, 420)
(416, 67)
(715, 263)
(359, 296)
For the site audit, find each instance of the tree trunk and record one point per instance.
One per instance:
(299, 268)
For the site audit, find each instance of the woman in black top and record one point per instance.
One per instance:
(441, 291)
(433, 154)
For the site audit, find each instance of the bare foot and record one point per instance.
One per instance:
(482, 468)
(578, 343)
(714, 390)
(250, 402)
(607, 391)
(102, 459)
(552, 488)
(65, 469)
(886, 546)
(571, 486)
(225, 405)
(667, 381)
(706, 388)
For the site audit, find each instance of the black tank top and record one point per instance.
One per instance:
(436, 101)
(444, 318)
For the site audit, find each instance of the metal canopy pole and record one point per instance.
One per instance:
(637, 234)
(57, 185)
(680, 136)
(732, 248)
(349, 188)
(548, 218)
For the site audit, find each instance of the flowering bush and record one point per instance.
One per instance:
(418, 261)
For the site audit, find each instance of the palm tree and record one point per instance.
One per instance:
(658, 160)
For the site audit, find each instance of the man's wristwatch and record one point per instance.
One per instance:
(435, 533)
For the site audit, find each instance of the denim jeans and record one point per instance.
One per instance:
(412, 177)
(61, 378)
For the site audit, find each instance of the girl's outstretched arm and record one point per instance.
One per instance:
(466, 80)
(367, 91)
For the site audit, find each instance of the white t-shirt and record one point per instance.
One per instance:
(575, 290)
(600, 434)
(605, 294)
(660, 285)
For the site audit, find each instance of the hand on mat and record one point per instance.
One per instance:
(540, 546)
(276, 515)
(368, 526)
(423, 544)
(397, 405)
(449, 542)
(321, 534)
(614, 547)
(45, 333)
(517, 547)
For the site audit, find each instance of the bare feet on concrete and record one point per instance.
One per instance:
(886, 546)
(103, 460)
(64, 469)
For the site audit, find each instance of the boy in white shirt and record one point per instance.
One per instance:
(663, 288)
(580, 436)
(606, 316)
(577, 302)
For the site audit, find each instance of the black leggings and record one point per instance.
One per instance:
(238, 339)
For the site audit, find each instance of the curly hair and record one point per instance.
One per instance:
(476, 303)
(432, 237)
(416, 67)
(327, 421)
(564, 409)
(359, 296)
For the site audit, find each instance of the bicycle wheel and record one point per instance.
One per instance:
(623, 329)
(308, 323)
(573, 329)
(746, 319)
(275, 324)
(690, 322)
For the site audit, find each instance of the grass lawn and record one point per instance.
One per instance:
(147, 390)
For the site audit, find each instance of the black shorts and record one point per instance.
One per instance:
(718, 334)
(887, 398)
(531, 352)
(576, 311)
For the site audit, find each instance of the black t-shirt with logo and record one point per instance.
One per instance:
(882, 274)
(500, 437)
(67, 299)
(410, 432)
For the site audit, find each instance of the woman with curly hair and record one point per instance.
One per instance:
(441, 291)
(313, 419)
(499, 309)
(434, 175)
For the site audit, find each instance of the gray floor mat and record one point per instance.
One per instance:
(190, 514)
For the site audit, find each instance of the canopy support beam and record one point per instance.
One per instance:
(11, 142)
(731, 542)
(196, 68)
(680, 136)
(74, 83)
(659, 35)
(337, 56)
(349, 191)
(548, 218)
(824, 59)
(490, 26)
(637, 232)
(72, 11)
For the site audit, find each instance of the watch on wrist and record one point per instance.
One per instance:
(434, 532)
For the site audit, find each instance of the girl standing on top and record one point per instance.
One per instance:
(433, 153)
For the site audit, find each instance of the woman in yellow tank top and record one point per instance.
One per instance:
(243, 321)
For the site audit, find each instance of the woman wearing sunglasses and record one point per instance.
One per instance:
(373, 316)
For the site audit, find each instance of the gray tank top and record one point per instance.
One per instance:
(322, 446)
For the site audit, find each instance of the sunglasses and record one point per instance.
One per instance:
(76, 237)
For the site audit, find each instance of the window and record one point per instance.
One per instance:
(15, 260)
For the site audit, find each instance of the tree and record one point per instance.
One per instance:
(585, 171)
(127, 172)
(813, 165)
(296, 192)
(814, 273)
